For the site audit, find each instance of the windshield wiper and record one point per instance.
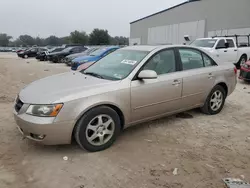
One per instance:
(94, 74)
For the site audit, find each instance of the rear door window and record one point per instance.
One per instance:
(191, 59)
(231, 43)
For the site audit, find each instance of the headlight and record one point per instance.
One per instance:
(44, 110)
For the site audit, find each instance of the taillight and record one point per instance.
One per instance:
(235, 70)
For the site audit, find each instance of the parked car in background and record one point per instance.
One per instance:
(56, 57)
(68, 59)
(245, 71)
(84, 66)
(42, 56)
(93, 57)
(32, 52)
(5, 49)
(20, 50)
(225, 49)
(129, 86)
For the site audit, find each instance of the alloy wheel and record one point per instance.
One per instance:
(100, 130)
(216, 100)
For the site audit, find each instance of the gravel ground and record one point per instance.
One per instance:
(203, 149)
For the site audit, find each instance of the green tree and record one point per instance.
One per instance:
(119, 40)
(99, 37)
(52, 40)
(27, 40)
(65, 40)
(78, 37)
(39, 41)
(4, 39)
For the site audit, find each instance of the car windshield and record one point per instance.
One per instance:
(206, 43)
(67, 49)
(98, 52)
(117, 65)
(88, 51)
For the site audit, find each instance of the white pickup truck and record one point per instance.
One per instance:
(225, 49)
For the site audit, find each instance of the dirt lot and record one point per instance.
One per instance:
(204, 148)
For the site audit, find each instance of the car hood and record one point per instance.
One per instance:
(61, 88)
(207, 49)
(87, 58)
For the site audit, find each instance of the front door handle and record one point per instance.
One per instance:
(225, 50)
(176, 82)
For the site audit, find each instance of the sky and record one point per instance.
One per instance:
(59, 17)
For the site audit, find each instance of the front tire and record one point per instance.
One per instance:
(215, 101)
(97, 129)
(26, 56)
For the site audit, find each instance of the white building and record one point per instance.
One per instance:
(195, 18)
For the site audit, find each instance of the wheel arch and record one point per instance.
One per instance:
(243, 56)
(224, 86)
(110, 105)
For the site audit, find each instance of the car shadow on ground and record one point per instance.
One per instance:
(129, 133)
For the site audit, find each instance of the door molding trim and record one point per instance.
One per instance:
(153, 104)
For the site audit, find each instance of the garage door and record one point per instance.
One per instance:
(174, 34)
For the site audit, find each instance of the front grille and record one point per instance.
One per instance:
(18, 104)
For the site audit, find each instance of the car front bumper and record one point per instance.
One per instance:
(44, 129)
(244, 74)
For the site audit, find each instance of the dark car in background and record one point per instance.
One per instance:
(56, 57)
(68, 60)
(32, 52)
(42, 56)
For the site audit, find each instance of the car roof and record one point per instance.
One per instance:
(156, 47)
(141, 47)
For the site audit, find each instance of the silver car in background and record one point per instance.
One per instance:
(129, 86)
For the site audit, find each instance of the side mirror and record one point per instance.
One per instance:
(147, 74)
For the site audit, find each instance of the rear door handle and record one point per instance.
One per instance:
(235, 50)
(176, 82)
(210, 76)
(225, 50)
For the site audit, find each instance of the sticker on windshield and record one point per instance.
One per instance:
(211, 42)
(129, 62)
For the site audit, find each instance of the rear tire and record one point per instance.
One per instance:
(215, 101)
(97, 129)
(26, 56)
